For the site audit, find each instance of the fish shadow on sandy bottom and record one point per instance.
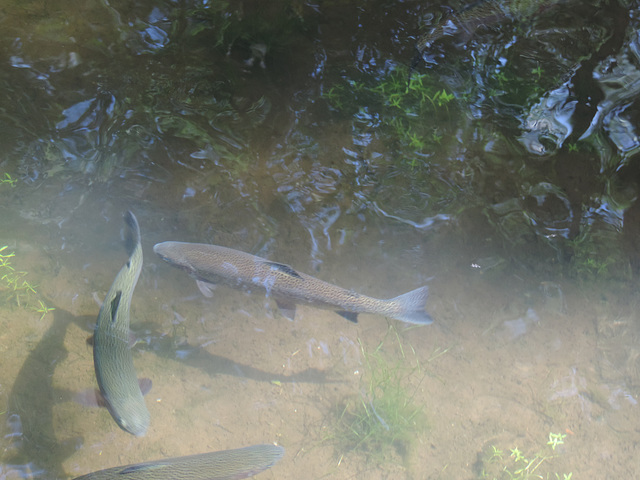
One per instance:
(30, 407)
(34, 450)
(213, 365)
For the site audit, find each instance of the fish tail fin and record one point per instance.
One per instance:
(132, 233)
(412, 307)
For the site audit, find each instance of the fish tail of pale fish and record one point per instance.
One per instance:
(410, 307)
(132, 233)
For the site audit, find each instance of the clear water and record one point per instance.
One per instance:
(505, 178)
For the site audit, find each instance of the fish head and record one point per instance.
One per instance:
(167, 251)
(133, 418)
(173, 254)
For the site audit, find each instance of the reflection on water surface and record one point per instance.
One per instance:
(504, 174)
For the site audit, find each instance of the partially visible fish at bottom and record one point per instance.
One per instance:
(223, 465)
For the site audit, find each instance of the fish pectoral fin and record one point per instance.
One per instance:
(145, 385)
(281, 267)
(351, 316)
(93, 397)
(288, 309)
(205, 288)
(90, 397)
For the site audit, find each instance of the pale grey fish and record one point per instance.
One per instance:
(214, 264)
(112, 357)
(224, 465)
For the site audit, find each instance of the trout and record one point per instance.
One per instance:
(223, 465)
(112, 357)
(213, 264)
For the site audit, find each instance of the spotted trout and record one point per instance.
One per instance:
(112, 357)
(224, 465)
(214, 264)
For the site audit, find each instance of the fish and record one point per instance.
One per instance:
(112, 356)
(213, 264)
(223, 465)
(480, 13)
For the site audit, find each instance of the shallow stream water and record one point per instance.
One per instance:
(504, 176)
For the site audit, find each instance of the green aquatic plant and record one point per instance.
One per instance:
(492, 464)
(496, 453)
(14, 287)
(538, 70)
(556, 439)
(7, 179)
(394, 107)
(5, 256)
(595, 255)
(43, 309)
(383, 420)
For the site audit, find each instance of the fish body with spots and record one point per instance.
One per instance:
(214, 264)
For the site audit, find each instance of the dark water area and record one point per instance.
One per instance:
(488, 149)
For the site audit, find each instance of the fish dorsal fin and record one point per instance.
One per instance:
(351, 316)
(281, 267)
(115, 303)
(131, 469)
(288, 309)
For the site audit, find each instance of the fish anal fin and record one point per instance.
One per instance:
(351, 316)
(287, 308)
(205, 288)
(281, 267)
